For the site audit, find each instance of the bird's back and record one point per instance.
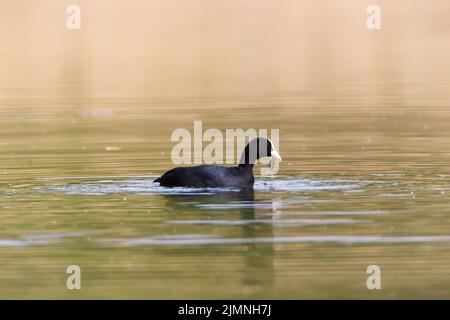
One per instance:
(207, 176)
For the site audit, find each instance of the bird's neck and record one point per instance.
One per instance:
(245, 163)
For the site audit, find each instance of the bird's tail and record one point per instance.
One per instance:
(157, 180)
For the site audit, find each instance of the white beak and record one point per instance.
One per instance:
(275, 155)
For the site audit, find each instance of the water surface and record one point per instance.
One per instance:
(85, 125)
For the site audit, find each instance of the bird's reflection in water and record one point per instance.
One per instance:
(258, 258)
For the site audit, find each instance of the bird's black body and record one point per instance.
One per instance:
(213, 176)
(208, 176)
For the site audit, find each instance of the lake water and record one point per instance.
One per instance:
(85, 125)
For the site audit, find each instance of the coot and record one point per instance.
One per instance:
(213, 176)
